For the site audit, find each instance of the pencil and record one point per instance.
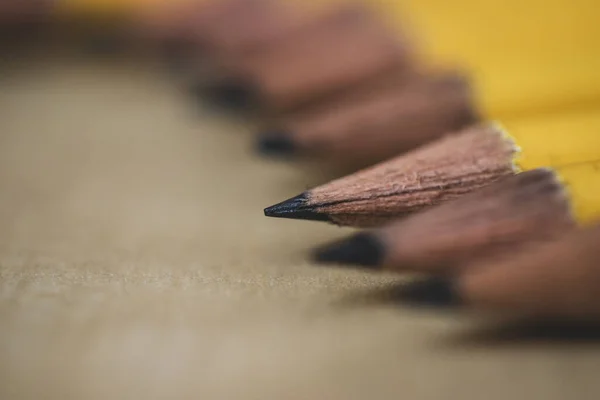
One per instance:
(387, 121)
(538, 80)
(226, 82)
(555, 279)
(529, 77)
(437, 172)
(500, 88)
(316, 63)
(529, 207)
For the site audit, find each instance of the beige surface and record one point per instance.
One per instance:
(135, 263)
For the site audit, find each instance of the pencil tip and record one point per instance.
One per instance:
(296, 208)
(363, 249)
(234, 95)
(275, 143)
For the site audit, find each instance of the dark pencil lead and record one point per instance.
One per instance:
(432, 292)
(295, 208)
(275, 143)
(231, 94)
(363, 249)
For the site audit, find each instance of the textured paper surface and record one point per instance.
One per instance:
(135, 263)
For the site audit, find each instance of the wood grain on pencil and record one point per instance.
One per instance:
(383, 122)
(440, 171)
(502, 217)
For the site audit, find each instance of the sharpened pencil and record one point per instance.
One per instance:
(384, 122)
(448, 168)
(502, 217)
(440, 171)
(319, 62)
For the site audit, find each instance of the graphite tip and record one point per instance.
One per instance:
(275, 143)
(361, 250)
(231, 94)
(298, 207)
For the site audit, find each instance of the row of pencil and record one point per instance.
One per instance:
(458, 196)
(505, 216)
(321, 79)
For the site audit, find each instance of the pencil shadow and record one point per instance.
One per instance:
(435, 294)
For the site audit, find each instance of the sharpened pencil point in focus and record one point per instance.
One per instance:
(296, 208)
(363, 250)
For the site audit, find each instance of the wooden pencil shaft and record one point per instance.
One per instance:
(440, 171)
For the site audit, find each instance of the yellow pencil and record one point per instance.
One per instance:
(448, 169)
(524, 56)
